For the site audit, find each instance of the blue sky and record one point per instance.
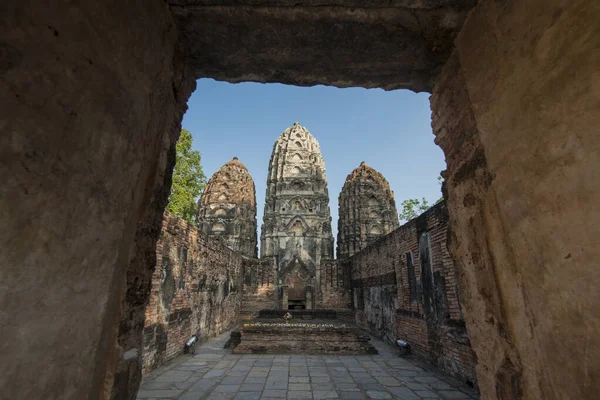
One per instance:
(390, 131)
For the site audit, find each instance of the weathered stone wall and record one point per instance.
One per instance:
(404, 286)
(335, 290)
(260, 287)
(91, 102)
(388, 44)
(261, 290)
(196, 290)
(516, 112)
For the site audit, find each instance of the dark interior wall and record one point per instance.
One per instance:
(516, 113)
(196, 290)
(143, 254)
(82, 148)
(414, 297)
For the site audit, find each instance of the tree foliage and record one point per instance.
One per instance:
(412, 208)
(188, 180)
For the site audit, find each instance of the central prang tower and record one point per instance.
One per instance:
(296, 229)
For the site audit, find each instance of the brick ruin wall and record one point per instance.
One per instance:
(196, 289)
(260, 288)
(334, 286)
(404, 286)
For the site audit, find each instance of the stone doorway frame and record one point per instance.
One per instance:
(94, 95)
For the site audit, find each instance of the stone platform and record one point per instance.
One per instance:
(308, 332)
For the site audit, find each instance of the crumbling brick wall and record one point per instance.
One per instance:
(260, 288)
(404, 286)
(334, 286)
(374, 287)
(196, 290)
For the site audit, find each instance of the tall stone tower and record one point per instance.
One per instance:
(227, 208)
(296, 227)
(367, 210)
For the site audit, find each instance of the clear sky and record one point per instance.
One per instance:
(390, 131)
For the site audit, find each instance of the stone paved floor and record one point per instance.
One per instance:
(215, 373)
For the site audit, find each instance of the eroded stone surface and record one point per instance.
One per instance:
(367, 210)
(521, 141)
(196, 290)
(227, 208)
(387, 44)
(92, 101)
(405, 286)
(297, 223)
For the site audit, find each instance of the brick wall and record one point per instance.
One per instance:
(260, 288)
(374, 287)
(404, 286)
(196, 289)
(334, 286)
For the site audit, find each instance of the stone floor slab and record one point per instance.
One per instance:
(159, 394)
(427, 394)
(325, 394)
(376, 394)
(299, 386)
(227, 388)
(322, 387)
(248, 396)
(274, 394)
(403, 393)
(252, 379)
(213, 373)
(454, 394)
(300, 394)
(233, 380)
(352, 395)
(220, 396)
(300, 379)
(251, 387)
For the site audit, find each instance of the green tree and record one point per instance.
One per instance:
(412, 208)
(188, 180)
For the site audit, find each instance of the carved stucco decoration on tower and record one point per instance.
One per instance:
(367, 210)
(227, 208)
(297, 223)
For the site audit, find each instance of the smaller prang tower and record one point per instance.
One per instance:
(227, 208)
(367, 211)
